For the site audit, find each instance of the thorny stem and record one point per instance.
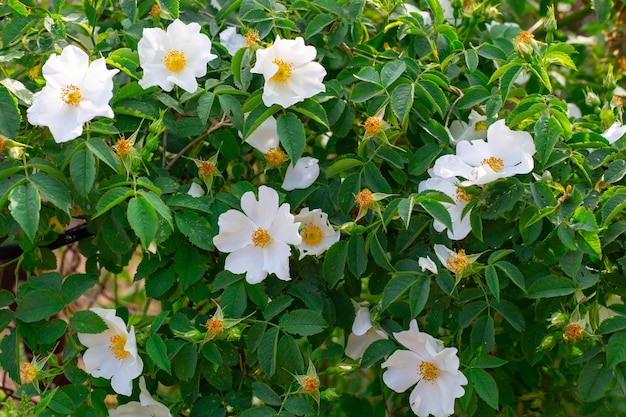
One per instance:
(223, 122)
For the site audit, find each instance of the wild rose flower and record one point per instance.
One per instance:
(75, 92)
(146, 407)
(231, 40)
(289, 71)
(177, 56)
(316, 232)
(258, 239)
(504, 154)
(476, 128)
(364, 333)
(456, 262)
(460, 223)
(112, 354)
(433, 369)
(615, 132)
(302, 175)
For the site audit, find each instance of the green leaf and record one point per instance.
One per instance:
(594, 379)
(86, 321)
(205, 103)
(418, 295)
(602, 8)
(186, 361)
(172, 6)
(318, 24)
(190, 265)
(290, 358)
(76, 285)
(158, 205)
(195, 228)
(313, 110)
(335, 262)
(395, 288)
(378, 252)
(473, 96)
(365, 91)
(547, 132)
(357, 261)
(257, 117)
(38, 305)
(129, 7)
(296, 404)
(83, 171)
(491, 277)
(343, 164)
(616, 349)
(485, 387)
(489, 362)
(157, 350)
(612, 324)
(266, 351)
(24, 204)
(437, 210)
(615, 171)
(54, 190)
(127, 61)
(8, 354)
(391, 72)
(513, 273)
(551, 286)
(500, 196)
(471, 59)
(262, 411)
(143, 220)
(377, 351)
(112, 198)
(291, 135)
(303, 322)
(402, 101)
(483, 334)
(265, 393)
(9, 114)
(511, 313)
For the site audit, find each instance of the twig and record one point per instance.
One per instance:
(13, 250)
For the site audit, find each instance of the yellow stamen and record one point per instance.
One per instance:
(373, 125)
(214, 326)
(312, 235)
(428, 371)
(123, 147)
(155, 11)
(206, 169)
(261, 237)
(496, 164)
(117, 347)
(2, 143)
(252, 37)
(573, 331)
(462, 195)
(482, 125)
(364, 199)
(28, 372)
(175, 60)
(275, 156)
(284, 71)
(457, 262)
(310, 385)
(71, 95)
(525, 37)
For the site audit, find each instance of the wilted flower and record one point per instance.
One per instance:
(475, 129)
(427, 264)
(456, 262)
(112, 354)
(177, 56)
(309, 383)
(28, 372)
(195, 190)
(258, 241)
(432, 367)
(231, 40)
(289, 71)
(460, 222)
(75, 92)
(364, 333)
(146, 407)
(301, 176)
(316, 232)
(504, 154)
(615, 132)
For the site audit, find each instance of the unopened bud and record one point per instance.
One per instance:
(592, 99)
(609, 80)
(16, 152)
(550, 24)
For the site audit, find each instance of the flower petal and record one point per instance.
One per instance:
(262, 211)
(249, 260)
(303, 175)
(401, 373)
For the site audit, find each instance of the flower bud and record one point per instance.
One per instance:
(609, 80)
(16, 152)
(550, 24)
(592, 99)
(524, 43)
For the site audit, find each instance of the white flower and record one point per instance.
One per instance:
(231, 40)
(258, 241)
(475, 129)
(75, 92)
(504, 154)
(290, 73)
(460, 224)
(264, 137)
(316, 232)
(195, 190)
(301, 176)
(146, 407)
(363, 334)
(615, 132)
(112, 354)
(456, 262)
(427, 264)
(177, 56)
(432, 367)
(573, 111)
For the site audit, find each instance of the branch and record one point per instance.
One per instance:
(13, 250)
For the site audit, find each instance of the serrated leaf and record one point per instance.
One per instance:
(511, 313)
(491, 277)
(86, 321)
(551, 286)
(112, 198)
(616, 350)
(485, 387)
(142, 219)
(157, 350)
(303, 322)
(357, 261)
(24, 205)
(54, 190)
(195, 228)
(612, 324)
(265, 393)
(594, 379)
(500, 196)
(266, 351)
(9, 114)
(483, 334)
(547, 132)
(395, 288)
(335, 262)
(513, 273)
(38, 305)
(291, 134)
(391, 72)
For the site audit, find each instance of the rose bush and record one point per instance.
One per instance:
(294, 208)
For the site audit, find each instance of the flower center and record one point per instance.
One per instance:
(175, 60)
(261, 237)
(496, 164)
(252, 37)
(573, 331)
(28, 372)
(310, 385)
(462, 195)
(206, 169)
(155, 10)
(364, 199)
(457, 262)
(312, 235)
(373, 125)
(71, 95)
(123, 147)
(275, 156)
(428, 371)
(525, 37)
(284, 71)
(117, 347)
(482, 125)
(215, 325)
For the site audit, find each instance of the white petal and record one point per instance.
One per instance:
(302, 175)
(249, 260)
(131, 409)
(283, 227)
(265, 136)
(276, 259)
(262, 211)
(421, 343)
(231, 40)
(195, 190)
(443, 253)
(615, 132)
(362, 322)
(401, 373)
(427, 264)
(235, 231)
(448, 166)
(358, 344)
